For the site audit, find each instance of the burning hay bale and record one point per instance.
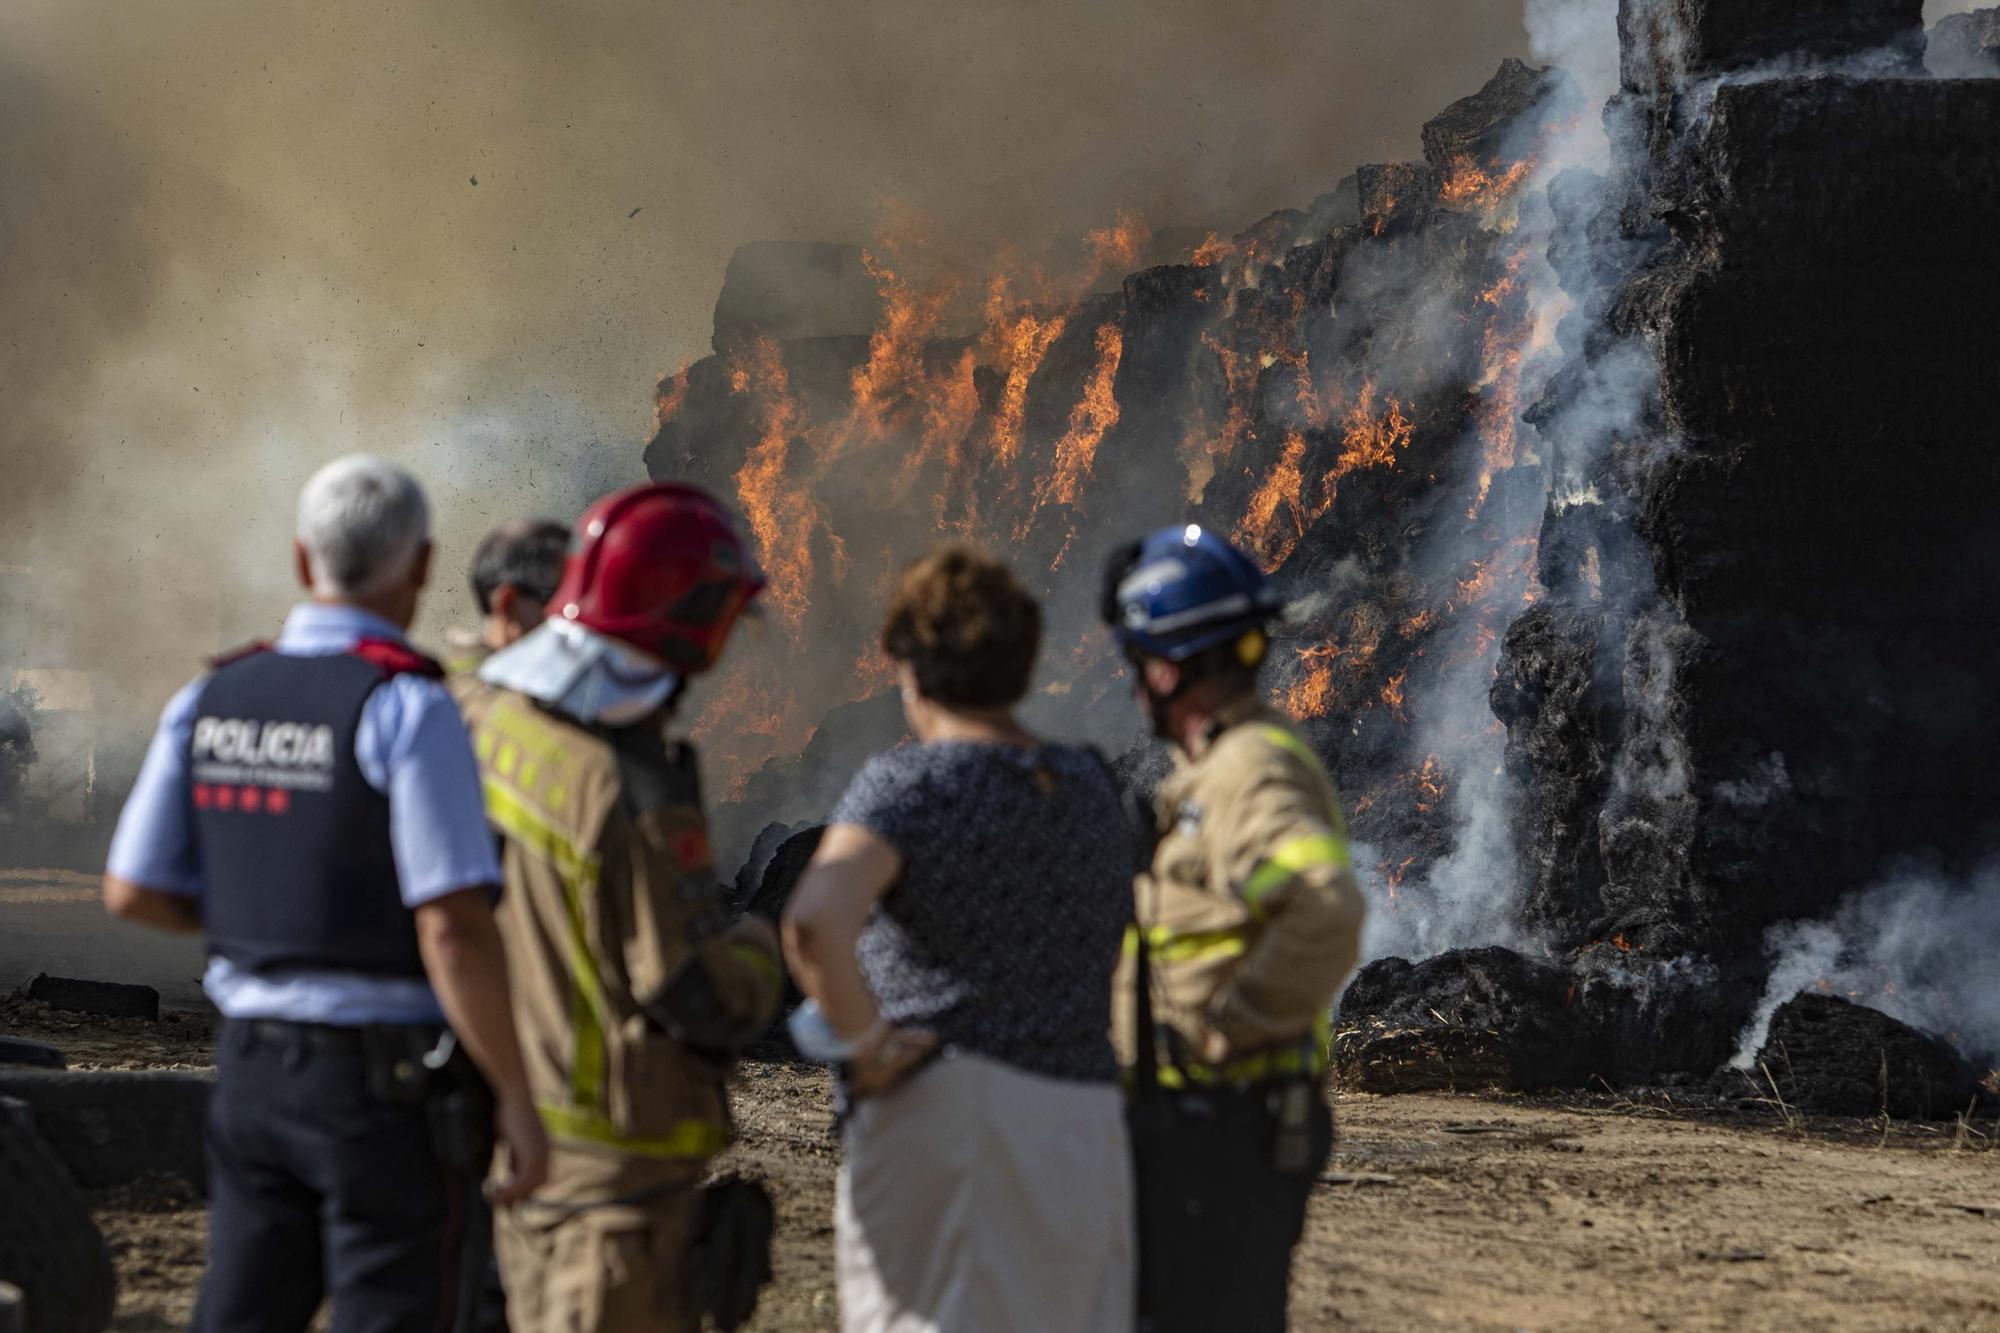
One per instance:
(1640, 602)
(1830, 1055)
(1389, 193)
(1468, 1019)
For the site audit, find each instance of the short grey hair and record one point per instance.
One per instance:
(362, 520)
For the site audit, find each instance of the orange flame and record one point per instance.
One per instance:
(1020, 340)
(1468, 183)
(670, 397)
(1212, 250)
(781, 513)
(1121, 248)
(894, 370)
(1473, 587)
(1094, 414)
(1204, 450)
(1392, 876)
(1272, 523)
(1392, 696)
(874, 672)
(950, 411)
(1430, 784)
(1312, 694)
(1367, 442)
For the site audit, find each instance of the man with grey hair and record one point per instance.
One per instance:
(313, 807)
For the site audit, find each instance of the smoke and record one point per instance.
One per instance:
(1581, 38)
(238, 241)
(1471, 895)
(1917, 946)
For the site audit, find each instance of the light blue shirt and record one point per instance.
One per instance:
(410, 745)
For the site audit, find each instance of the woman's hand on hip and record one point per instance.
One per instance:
(887, 1059)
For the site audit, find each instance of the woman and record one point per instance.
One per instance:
(958, 929)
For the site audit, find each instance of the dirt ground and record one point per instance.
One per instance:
(1439, 1212)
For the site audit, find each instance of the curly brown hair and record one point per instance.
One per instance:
(966, 626)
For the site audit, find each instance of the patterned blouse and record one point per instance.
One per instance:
(1004, 930)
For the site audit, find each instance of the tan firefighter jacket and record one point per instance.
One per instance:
(1251, 910)
(608, 891)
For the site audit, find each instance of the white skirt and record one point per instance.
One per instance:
(980, 1199)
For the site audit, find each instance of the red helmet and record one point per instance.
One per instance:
(660, 567)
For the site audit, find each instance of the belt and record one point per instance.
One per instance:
(330, 1034)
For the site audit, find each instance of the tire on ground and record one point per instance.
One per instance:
(111, 1127)
(49, 1247)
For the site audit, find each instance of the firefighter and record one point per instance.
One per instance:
(632, 989)
(313, 807)
(514, 574)
(1248, 923)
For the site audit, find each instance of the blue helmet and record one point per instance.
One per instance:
(1182, 590)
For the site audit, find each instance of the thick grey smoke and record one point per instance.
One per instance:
(1918, 947)
(239, 240)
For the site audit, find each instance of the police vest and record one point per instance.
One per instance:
(294, 843)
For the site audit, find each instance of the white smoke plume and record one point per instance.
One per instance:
(1917, 946)
(1470, 896)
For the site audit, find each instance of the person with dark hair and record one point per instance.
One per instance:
(1249, 920)
(634, 990)
(957, 930)
(514, 574)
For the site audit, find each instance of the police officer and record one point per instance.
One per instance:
(313, 807)
(1249, 921)
(514, 573)
(633, 991)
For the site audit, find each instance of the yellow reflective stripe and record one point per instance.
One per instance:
(537, 833)
(1284, 740)
(760, 962)
(688, 1138)
(525, 731)
(1308, 1055)
(578, 870)
(1291, 857)
(1167, 947)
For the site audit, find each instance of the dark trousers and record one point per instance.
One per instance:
(1217, 1219)
(317, 1188)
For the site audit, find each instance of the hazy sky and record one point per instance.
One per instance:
(240, 237)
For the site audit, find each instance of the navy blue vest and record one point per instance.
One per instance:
(294, 843)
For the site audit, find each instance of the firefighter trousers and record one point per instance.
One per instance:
(1218, 1219)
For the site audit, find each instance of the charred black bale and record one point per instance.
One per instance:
(1826, 345)
(1471, 1018)
(1829, 1055)
(1805, 265)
